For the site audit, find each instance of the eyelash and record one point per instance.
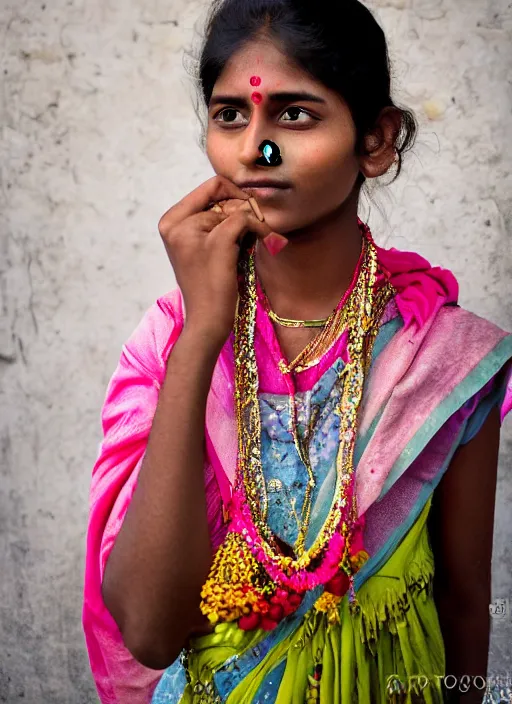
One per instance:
(293, 107)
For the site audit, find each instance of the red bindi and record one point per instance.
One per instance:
(255, 81)
(256, 97)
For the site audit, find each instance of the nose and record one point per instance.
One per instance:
(251, 139)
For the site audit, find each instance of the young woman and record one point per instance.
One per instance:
(294, 497)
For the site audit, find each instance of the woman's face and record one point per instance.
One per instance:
(261, 95)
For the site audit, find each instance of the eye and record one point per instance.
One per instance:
(295, 113)
(229, 115)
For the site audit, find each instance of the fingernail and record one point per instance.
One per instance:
(275, 243)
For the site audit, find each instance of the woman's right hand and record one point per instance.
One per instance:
(203, 247)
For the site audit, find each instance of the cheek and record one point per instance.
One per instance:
(324, 160)
(218, 152)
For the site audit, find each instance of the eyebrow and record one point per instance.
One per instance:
(290, 97)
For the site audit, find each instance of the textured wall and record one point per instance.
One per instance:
(99, 137)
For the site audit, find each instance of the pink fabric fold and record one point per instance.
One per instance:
(506, 406)
(422, 289)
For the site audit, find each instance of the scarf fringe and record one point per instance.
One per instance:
(391, 605)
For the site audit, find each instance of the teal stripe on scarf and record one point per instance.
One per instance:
(384, 337)
(227, 678)
(479, 415)
(473, 382)
(385, 334)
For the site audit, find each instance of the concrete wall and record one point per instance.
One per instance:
(99, 137)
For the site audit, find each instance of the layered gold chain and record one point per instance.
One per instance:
(361, 316)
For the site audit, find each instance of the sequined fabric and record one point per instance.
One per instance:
(284, 472)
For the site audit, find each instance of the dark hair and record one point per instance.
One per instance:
(338, 42)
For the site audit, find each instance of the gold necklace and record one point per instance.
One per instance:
(332, 326)
(361, 317)
(310, 356)
(291, 323)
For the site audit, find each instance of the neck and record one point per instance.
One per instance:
(309, 276)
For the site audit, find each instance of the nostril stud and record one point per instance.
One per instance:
(271, 154)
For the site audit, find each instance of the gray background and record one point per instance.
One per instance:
(99, 138)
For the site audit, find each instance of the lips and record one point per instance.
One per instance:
(265, 193)
(265, 188)
(264, 183)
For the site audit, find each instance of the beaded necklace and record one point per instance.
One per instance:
(251, 580)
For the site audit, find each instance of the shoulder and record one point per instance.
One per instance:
(459, 345)
(151, 341)
(164, 314)
(472, 356)
(170, 304)
(427, 296)
(448, 332)
(457, 325)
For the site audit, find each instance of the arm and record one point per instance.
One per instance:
(162, 554)
(461, 525)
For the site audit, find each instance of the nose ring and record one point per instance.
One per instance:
(271, 154)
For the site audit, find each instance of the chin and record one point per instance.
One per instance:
(284, 225)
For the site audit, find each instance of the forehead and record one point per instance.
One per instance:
(263, 59)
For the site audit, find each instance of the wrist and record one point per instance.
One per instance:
(202, 342)
(205, 334)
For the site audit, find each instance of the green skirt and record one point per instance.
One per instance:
(392, 650)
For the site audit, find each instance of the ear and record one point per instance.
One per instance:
(378, 151)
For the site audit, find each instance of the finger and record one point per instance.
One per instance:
(231, 206)
(215, 189)
(200, 223)
(207, 220)
(228, 206)
(273, 241)
(254, 205)
(236, 225)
